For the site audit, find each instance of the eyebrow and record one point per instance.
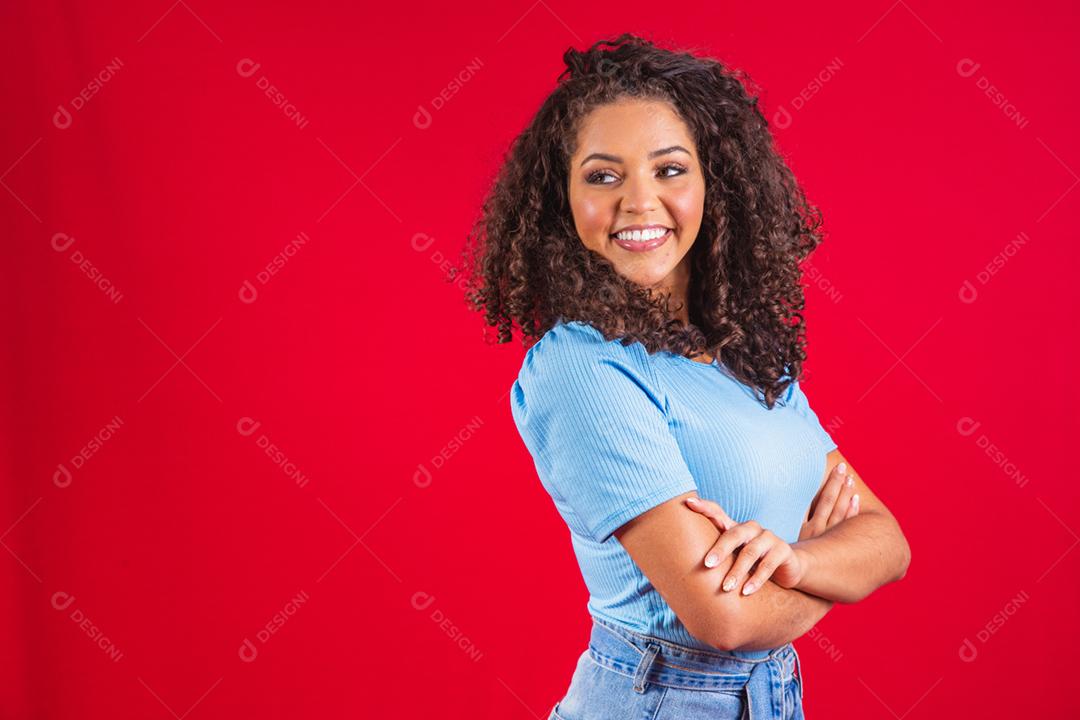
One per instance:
(654, 153)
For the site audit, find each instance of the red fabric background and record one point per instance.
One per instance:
(418, 567)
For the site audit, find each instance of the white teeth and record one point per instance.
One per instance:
(641, 235)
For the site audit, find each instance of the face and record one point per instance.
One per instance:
(636, 168)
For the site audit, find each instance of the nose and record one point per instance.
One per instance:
(639, 196)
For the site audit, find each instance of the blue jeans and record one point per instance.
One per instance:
(624, 674)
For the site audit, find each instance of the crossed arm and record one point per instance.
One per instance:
(850, 560)
(844, 564)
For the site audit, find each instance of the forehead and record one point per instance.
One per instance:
(632, 128)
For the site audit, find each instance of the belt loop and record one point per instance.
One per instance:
(643, 666)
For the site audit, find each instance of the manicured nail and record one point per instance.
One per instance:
(749, 588)
(841, 468)
(855, 500)
(711, 560)
(850, 481)
(728, 584)
(691, 500)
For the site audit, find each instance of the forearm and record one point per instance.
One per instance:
(853, 558)
(773, 616)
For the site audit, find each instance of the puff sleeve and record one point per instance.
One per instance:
(595, 422)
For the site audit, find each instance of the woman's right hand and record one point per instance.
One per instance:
(837, 501)
(759, 554)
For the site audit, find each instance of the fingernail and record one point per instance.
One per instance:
(855, 500)
(850, 481)
(728, 584)
(711, 560)
(749, 588)
(691, 500)
(841, 468)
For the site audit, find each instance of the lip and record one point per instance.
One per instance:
(640, 246)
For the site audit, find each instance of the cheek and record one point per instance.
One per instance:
(688, 207)
(592, 219)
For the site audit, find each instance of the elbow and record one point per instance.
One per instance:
(722, 632)
(902, 556)
(905, 559)
(725, 642)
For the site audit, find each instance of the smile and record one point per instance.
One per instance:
(642, 241)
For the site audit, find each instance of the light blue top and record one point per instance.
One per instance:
(614, 431)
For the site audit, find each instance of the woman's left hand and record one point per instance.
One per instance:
(776, 559)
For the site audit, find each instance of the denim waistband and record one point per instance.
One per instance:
(762, 682)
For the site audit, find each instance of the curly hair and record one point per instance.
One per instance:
(527, 266)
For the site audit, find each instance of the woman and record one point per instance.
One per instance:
(645, 233)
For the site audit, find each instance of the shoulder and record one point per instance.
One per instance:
(578, 348)
(575, 358)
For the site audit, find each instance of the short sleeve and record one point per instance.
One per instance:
(796, 398)
(595, 422)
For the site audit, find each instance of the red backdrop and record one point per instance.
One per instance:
(258, 459)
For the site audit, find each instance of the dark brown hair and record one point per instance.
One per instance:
(527, 266)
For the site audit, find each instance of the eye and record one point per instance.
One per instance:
(676, 166)
(593, 178)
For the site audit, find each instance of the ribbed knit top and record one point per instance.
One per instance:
(615, 431)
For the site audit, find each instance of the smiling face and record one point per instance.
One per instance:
(635, 168)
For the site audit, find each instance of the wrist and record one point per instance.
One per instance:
(806, 563)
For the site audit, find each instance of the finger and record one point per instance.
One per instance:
(711, 510)
(767, 565)
(834, 476)
(730, 540)
(749, 555)
(854, 506)
(829, 493)
(843, 502)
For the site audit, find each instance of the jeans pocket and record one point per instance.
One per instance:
(600, 693)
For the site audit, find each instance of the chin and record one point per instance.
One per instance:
(647, 279)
